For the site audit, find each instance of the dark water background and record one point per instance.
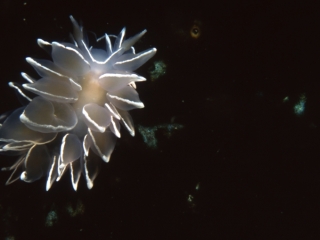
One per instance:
(244, 165)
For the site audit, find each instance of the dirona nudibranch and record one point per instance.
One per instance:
(78, 104)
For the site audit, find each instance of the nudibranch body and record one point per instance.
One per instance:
(77, 107)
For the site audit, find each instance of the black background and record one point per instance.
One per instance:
(255, 162)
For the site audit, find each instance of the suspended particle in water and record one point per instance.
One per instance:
(198, 186)
(51, 219)
(149, 133)
(195, 30)
(300, 106)
(159, 70)
(75, 210)
(286, 99)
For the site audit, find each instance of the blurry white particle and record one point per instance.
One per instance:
(190, 198)
(24, 3)
(198, 186)
(77, 210)
(51, 219)
(286, 99)
(300, 106)
(159, 70)
(148, 133)
(9, 238)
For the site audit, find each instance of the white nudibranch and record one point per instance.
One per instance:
(78, 104)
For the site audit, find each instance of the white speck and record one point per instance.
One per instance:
(300, 106)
